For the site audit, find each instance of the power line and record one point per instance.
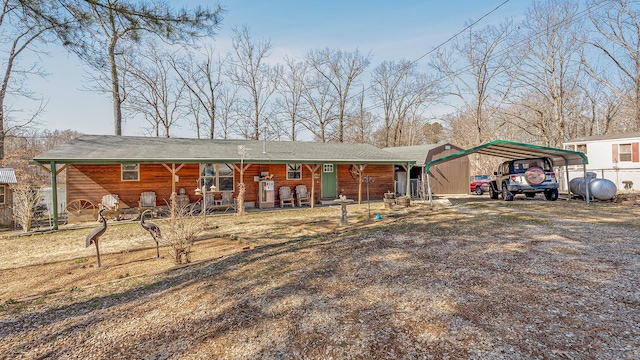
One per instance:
(578, 16)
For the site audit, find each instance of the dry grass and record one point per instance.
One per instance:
(474, 279)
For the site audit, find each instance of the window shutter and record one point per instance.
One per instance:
(614, 151)
(634, 152)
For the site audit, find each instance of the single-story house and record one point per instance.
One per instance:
(7, 177)
(615, 157)
(99, 165)
(446, 178)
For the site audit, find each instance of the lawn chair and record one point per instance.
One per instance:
(110, 204)
(228, 200)
(286, 197)
(147, 202)
(302, 195)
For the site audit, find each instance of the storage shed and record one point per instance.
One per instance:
(7, 177)
(447, 178)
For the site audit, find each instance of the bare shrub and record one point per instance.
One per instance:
(26, 199)
(181, 230)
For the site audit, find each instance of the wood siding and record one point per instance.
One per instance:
(451, 177)
(92, 182)
(6, 209)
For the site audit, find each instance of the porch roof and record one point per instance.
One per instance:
(110, 149)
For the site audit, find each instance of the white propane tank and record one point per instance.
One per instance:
(601, 189)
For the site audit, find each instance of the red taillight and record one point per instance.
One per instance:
(513, 178)
(553, 175)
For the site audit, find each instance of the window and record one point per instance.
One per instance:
(582, 148)
(294, 171)
(130, 172)
(624, 152)
(3, 192)
(219, 175)
(570, 147)
(328, 168)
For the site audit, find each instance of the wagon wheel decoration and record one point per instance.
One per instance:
(77, 207)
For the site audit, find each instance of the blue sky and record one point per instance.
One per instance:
(391, 30)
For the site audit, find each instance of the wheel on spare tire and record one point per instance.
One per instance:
(534, 176)
(478, 190)
(551, 195)
(506, 194)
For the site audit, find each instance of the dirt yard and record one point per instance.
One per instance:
(469, 278)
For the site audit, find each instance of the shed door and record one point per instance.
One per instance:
(329, 181)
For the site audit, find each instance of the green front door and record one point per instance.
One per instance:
(329, 181)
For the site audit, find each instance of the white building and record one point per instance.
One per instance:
(613, 156)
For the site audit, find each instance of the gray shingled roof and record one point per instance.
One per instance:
(7, 176)
(109, 149)
(417, 153)
(628, 135)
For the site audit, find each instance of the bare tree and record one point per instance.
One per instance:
(342, 71)
(21, 27)
(361, 127)
(618, 24)
(290, 101)
(229, 107)
(248, 69)
(156, 91)
(203, 80)
(110, 25)
(401, 91)
(318, 112)
(475, 69)
(549, 71)
(26, 199)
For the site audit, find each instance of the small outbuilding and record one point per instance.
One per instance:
(446, 178)
(7, 177)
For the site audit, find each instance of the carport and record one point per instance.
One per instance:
(510, 150)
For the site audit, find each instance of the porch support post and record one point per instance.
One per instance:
(173, 170)
(408, 180)
(424, 184)
(54, 194)
(360, 171)
(313, 168)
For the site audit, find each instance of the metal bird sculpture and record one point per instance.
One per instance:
(153, 229)
(94, 236)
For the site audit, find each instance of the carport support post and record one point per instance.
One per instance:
(429, 188)
(54, 195)
(566, 170)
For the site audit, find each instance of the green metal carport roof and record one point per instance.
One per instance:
(514, 150)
